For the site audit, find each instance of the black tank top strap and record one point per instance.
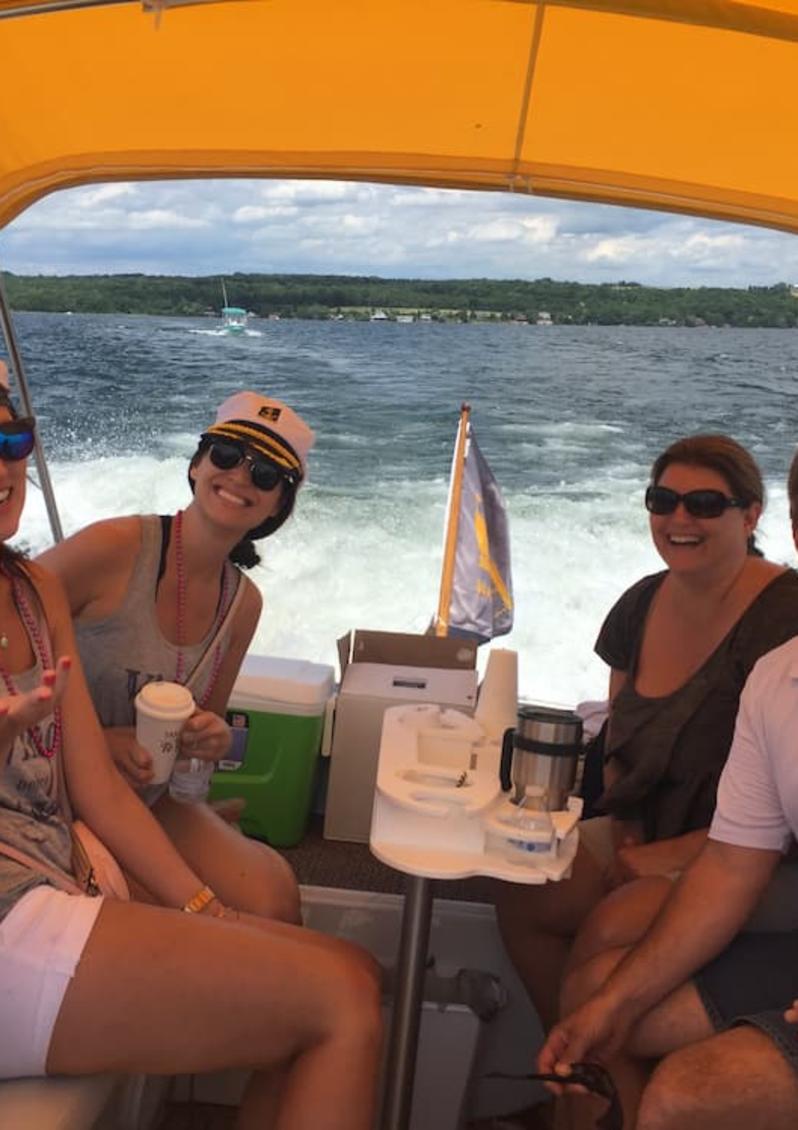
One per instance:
(166, 532)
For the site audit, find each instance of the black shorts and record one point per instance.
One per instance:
(752, 982)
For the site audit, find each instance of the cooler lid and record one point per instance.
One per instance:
(270, 680)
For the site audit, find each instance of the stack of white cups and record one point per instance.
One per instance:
(497, 705)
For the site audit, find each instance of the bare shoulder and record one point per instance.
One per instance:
(49, 590)
(251, 598)
(99, 543)
(95, 564)
(248, 614)
(44, 580)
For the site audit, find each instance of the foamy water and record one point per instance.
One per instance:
(568, 419)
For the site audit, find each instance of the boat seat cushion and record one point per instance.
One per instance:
(57, 1103)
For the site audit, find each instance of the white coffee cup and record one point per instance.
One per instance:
(161, 710)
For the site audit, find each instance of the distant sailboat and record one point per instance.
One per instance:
(234, 318)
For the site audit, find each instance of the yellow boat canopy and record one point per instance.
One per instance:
(688, 105)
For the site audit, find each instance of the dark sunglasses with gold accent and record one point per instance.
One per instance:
(227, 454)
(17, 438)
(697, 503)
(593, 1077)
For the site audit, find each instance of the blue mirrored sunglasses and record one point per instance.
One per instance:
(17, 438)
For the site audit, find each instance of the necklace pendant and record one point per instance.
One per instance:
(3, 641)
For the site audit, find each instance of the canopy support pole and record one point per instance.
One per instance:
(12, 345)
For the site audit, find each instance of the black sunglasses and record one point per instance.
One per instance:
(17, 438)
(593, 1077)
(698, 503)
(226, 454)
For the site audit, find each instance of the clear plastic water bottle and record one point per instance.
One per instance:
(190, 780)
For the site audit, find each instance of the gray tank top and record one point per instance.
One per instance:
(126, 650)
(32, 818)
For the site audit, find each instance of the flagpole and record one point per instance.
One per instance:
(453, 522)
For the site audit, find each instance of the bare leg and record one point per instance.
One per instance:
(620, 919)
(244, 873)
(737, 1080)
(162, 992)
(678, 1020)
(538, 925)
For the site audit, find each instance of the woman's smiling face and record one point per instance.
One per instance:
(687, 544)
(12, 488)
(231, 495)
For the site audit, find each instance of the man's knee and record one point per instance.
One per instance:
(674, 1094)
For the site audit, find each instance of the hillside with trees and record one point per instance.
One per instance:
(325, 296)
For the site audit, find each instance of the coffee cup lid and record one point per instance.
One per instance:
(170, 699)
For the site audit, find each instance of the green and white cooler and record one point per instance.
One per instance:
(276, 713)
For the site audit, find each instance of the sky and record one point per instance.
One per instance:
(327, 227)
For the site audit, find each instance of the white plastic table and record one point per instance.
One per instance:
(427, 838)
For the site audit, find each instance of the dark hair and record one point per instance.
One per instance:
(244, 553)
(14, 562)
(727, 458)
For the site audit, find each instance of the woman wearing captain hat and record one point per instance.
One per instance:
(164, 598)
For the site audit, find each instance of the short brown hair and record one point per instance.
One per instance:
(721, 454)
(729, 459)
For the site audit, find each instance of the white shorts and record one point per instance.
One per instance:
(41, 942)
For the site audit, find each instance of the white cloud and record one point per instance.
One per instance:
(91, 197)
(255, 213)
(702, 241)
(163, 218)
(208, 227)
(622, 249)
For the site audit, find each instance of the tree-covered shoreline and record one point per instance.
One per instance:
(336, 296)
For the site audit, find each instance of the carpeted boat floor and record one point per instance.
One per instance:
(198, 1116)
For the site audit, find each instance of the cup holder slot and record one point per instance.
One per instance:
(432, 780)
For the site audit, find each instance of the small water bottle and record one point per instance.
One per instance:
(190, 780)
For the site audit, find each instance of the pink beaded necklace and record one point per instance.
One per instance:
(180, 665)
(41, 651)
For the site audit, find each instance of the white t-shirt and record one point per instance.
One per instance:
(757, 802)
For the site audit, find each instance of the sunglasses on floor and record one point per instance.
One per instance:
(698, 503)
(593, 1077)
(17, 438)
(226, 454)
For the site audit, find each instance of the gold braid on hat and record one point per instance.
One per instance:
(260, 439)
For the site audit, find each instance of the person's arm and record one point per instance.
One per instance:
(206, 735)
(635, 860)
(707, 908)
(98, 794)
(624, 832)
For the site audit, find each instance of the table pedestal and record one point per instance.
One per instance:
(406, 1022)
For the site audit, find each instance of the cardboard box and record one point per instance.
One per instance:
(379, 670)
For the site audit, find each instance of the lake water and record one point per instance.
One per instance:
(569, 419)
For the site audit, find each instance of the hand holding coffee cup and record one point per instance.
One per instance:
(206, 736)
(161, 710)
